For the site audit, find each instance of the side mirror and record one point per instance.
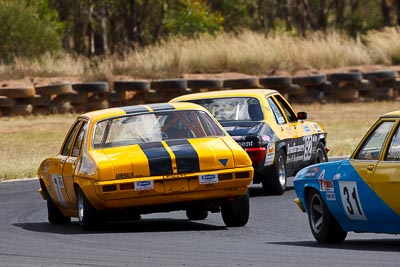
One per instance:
(302, 115)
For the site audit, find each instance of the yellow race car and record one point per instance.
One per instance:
(128, 161)
(279, 141)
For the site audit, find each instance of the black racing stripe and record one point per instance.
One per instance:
(161, 106)
(187, 159)
(134, 109)
(159, 160)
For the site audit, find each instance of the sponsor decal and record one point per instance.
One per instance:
(325, 185)
(266, 138)
(238, 138)
(246, 143)
(317, 128)
(330, 196)
(295, 148)
(270, 155)
(174, 176)
(231, 189)
(312, 172)
(125, 175)
(208, 179)
(58, 185)
(144, 185)
(223, 161)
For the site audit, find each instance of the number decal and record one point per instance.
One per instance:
(307, 147)
(351, 200)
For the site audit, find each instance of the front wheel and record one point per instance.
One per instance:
(276, 182)
(320, 154)
(236, 213)
(87, 214)
(324, 226)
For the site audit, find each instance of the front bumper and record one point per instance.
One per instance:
(299, 204)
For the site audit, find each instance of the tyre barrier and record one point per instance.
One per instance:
(349, 86)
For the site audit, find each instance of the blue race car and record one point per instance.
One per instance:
(359, 194)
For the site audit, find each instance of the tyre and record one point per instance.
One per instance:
(274, 82)
(198, 84)
(54, 89)
(54, 214)
(324, 226)
(140, 86)
(344, 77)
(275, 183)
(315, 79)
(320, 154)
(236, 213)
(87, 214)
(173, 84)
(91, 87)
(19, 92)
(242, 83)
(6, 102)
(380, 75)
(196, 214)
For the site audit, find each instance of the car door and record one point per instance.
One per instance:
(298, 147)
(70, 163)
(386, 178)
(60, 167)
(355, 179)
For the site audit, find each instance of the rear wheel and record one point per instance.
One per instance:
(87, 214)
(236, 213)
(196, 214)
(54, 214)
(324, 226)
(276, 182)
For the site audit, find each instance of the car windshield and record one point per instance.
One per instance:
(154, 127)
(233, 108)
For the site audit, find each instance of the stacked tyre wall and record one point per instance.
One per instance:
(83, 97)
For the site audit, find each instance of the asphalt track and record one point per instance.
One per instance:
(276, 235)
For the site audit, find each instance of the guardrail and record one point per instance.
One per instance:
(81, 97)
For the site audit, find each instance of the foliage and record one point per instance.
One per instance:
(193, 17)
(25, 32)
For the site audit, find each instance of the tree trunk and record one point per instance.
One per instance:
(385, 13)
(340, 7)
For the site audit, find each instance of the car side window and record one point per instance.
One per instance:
(290, 114)
(78, 141)
(279, 118)
(66, 151)
(372, 147)
(394, 148)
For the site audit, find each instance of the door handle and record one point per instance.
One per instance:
(370, 167)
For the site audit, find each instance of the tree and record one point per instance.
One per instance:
(26, 32)
(193, 17)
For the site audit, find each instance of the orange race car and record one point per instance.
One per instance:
(143, 159)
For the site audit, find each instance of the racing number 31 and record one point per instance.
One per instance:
(351, 201)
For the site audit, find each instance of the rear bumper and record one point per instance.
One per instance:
(166, 190)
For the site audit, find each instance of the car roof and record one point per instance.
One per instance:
(395, 113)
(225, 93)
(140, 109)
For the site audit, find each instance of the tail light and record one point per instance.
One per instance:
(256, 154)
